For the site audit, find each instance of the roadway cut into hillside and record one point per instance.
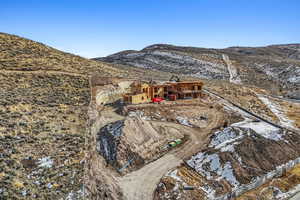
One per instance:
(234, 76)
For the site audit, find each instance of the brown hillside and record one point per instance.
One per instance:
(44, 95)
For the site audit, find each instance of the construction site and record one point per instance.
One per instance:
(145, 92)
(194, 145)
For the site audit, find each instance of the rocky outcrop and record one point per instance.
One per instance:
(108, 140)
(111, 93)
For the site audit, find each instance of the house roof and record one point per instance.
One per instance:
(178, 83)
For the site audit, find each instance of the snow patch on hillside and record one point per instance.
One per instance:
(209, 166)
(224, 137)
(45, 162)
(266, 130)
(234, 76)
(184, 121)
(278, 111)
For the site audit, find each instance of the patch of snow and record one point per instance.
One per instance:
(294, 79)
(49, 185)
(264, 129)
(105, 145)
(239, 159)
(228, 148)
(37, 182)
(229, 107)
(71, 196)
(234, 77)
(139, 114)
(173, 174)
(209, 191)
(277, 110)
(292, 194)
(227, 173)
(169, 54)
(133, 55)
(24, 192)
(115, 128)
(74, 195)
(183, 121)
(295, 193)
(208, 165)
(222, 138)
(45, 162)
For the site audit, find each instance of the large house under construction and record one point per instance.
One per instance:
(143, 92)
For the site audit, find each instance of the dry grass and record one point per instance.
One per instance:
(245, 96)
(293, 113)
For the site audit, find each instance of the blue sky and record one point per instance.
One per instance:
(93, 28)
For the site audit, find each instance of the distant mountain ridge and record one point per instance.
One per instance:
(273, 67)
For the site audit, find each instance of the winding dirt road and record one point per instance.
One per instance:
(141, 184)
